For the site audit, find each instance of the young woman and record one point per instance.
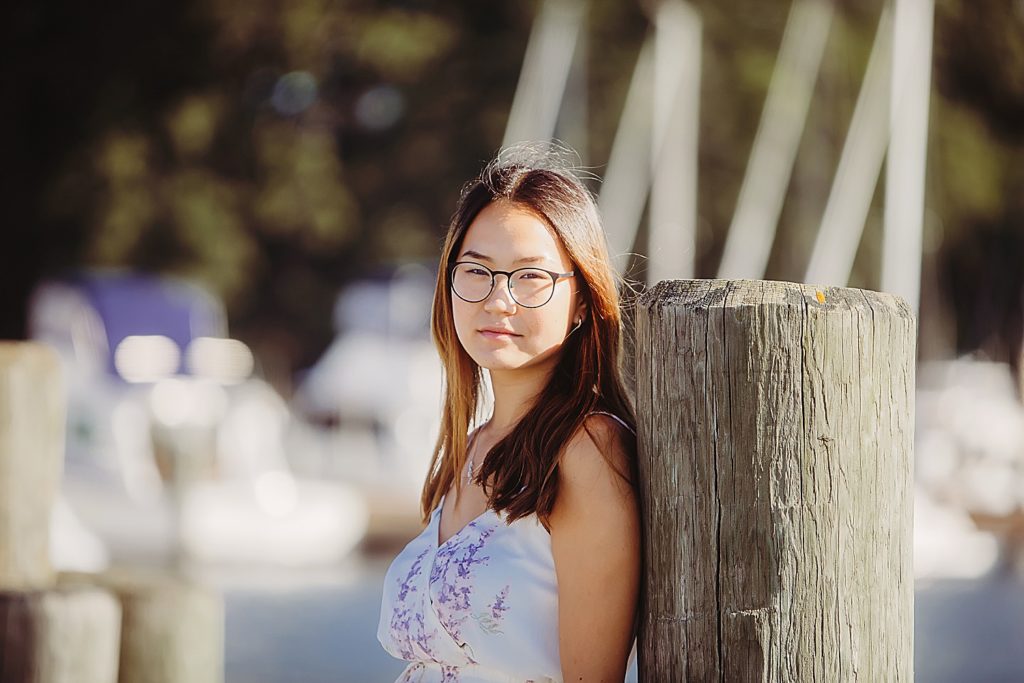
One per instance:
(529, 566)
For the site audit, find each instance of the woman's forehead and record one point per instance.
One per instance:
(504, 233)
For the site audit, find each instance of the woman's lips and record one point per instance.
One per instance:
(491, 334)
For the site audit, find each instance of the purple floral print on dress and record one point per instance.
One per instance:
(490, 620)
(453, 575)
(449, 673)
(409, 671)
(407, 612)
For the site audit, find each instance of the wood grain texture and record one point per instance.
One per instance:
(776, 461)
(32, 414)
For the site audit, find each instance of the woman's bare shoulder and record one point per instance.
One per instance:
(599, 448)
(595, 544)
(595, 470)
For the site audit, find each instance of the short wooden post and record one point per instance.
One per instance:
(172, 629)
(69, 635)
(776, 469)
(47, 635)
(31, 460)
(89, 628)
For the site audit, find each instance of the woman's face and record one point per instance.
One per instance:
(504, 236)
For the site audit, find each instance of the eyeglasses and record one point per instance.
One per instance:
(529, 287)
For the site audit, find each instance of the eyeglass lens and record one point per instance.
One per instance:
(529, 286)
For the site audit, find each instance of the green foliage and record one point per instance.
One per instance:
(275, 150)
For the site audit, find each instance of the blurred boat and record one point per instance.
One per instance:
(174, 450)
(969, 457)
(374, 396)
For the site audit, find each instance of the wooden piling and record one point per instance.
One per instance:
(31, 461)
(86, 628)
(47, 635)
(172, 629)
(66, 635)
(776, 469)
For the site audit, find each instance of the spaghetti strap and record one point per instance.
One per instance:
(617, 418)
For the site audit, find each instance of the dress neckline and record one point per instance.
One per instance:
(438, 543)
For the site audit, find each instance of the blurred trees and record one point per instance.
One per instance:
(276, 149)
(273, 150)
(976, 176)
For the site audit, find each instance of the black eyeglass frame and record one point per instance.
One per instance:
(555, 277)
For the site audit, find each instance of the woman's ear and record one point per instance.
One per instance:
(581, 312)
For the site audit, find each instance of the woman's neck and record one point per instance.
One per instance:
(514, 394)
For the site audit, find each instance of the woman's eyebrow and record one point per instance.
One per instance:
(525, 259)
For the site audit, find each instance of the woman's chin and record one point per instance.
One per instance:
(508, 359)
(496, 363)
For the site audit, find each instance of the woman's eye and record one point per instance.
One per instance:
(477, 271)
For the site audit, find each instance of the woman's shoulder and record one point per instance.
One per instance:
(598, 454)
(596, 481)
(614, 417)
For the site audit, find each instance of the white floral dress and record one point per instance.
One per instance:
(480, 607)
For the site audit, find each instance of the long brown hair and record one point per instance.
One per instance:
(588, 376)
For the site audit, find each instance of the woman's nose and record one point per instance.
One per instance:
(500, 298)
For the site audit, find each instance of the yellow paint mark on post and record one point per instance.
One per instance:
(820, 295)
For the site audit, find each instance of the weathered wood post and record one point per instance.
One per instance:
(80, 628)
(31, 461)
(47, 635)
(172, 629)
(776, 469)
